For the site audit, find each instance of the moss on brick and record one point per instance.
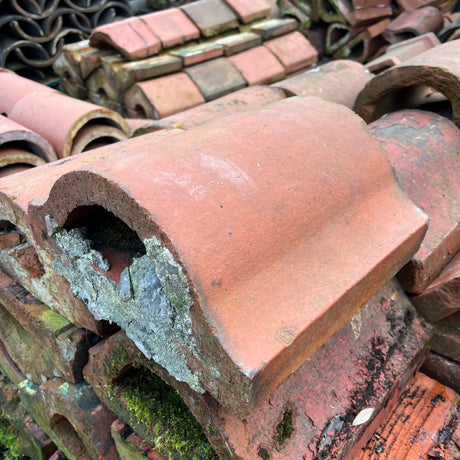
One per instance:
(153, 403)
(285, 429)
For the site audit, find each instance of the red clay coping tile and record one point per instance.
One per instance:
(212, 17)
(402, 51)
(216, 78)
(293, 50)
(235, 201)
(258, 66)
(163, 96)
(16, 194)
(132, 37)
(249, 10)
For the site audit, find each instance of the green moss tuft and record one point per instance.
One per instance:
(155, 404)
(9, 440)
(285, 428)
(263, 453)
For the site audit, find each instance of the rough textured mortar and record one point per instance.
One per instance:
(151, 302)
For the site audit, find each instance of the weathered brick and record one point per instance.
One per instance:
(216, 78)
(132, 37)
(239, 42)
(212, 17)
(73, 417)
(243, 202)
(258, 66)
(162, 96)
(42, 343)
(423, 150)
(271, 28)
(294, 51)
(194, 54)
(337, 81)
(249, 10)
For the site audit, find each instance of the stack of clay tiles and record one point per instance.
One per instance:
(39, 125)
(263, 276)
(32, 33)
(363, 30)
(165, 62)
(162, 63)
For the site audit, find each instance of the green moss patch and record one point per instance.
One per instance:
(285, 429)
(153, 403)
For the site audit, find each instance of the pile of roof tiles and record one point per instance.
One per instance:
(363, 30)
(252, 278)
(165, 62)
(64, 127)
(32, 33)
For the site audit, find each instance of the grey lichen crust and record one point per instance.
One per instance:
(151, 302)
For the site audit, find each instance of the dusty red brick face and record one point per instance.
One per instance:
(238, 329)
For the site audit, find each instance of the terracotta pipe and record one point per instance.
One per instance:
(65, 118)
(16, 135)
